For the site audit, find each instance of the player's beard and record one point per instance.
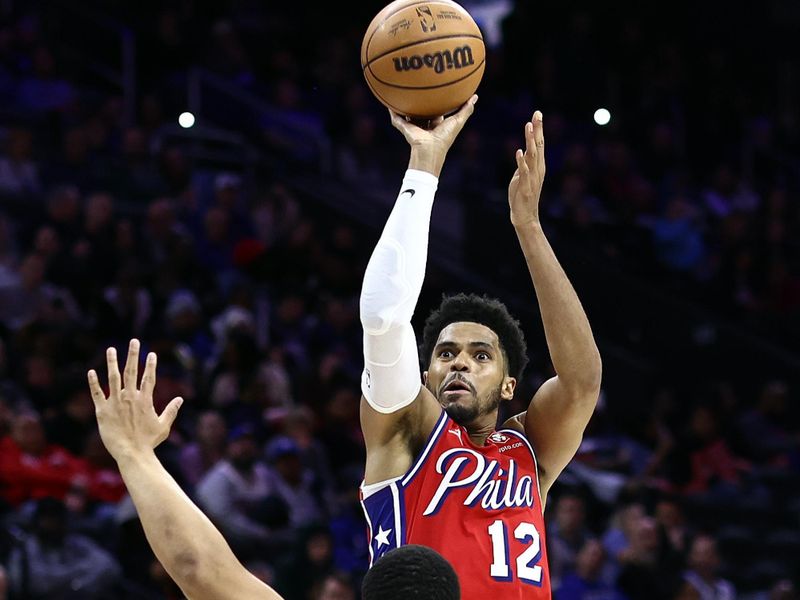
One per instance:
(466, 414)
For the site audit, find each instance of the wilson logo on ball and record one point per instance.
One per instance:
(438, 61)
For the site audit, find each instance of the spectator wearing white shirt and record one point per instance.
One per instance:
(238, 495)
(704, 563)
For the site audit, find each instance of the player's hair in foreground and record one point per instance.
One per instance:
(409, 573)
(478, 309)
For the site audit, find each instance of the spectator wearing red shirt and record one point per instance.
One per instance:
(711, 460)
(31, 468)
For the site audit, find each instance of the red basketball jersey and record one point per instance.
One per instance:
(478, 506)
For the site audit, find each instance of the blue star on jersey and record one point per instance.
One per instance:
(385, 512)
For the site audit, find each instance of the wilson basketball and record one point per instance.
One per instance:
(423, 59)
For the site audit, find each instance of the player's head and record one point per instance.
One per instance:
(409, 573)
(474, 351)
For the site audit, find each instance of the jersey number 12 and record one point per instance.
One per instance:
(527, 568)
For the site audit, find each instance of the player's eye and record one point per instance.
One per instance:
(445, 354)
(483, 356)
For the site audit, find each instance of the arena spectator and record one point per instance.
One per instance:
(296, 484)
(238, 495)
(617, 539)
(648, 568)
(334, 587)
(200, 456)
(566, 536)
(52, 563)
(585, 581)
(704, 564)
(31, 467)
(19, 174)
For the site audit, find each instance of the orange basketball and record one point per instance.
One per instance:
(423, 59)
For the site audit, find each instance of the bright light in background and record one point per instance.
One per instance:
(602, 116)
(186, 120)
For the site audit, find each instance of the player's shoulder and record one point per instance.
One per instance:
(515, 423)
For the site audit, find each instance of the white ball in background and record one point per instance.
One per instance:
(602, 116)
(186, 120)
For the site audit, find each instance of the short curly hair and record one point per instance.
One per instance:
(477, 309)
(411, 572)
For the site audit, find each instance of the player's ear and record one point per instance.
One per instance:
(508, 387)
(424, 378)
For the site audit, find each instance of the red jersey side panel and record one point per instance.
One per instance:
(479, 507)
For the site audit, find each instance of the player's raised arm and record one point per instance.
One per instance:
(191, 549)
(395, 406)
(562, 407)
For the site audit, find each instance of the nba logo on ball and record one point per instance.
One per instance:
(426, 19)
(423, 59)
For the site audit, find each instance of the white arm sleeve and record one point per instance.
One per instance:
(392, 284)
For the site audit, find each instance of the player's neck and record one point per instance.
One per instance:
(481, 428)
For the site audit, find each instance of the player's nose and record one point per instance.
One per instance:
(460, 363)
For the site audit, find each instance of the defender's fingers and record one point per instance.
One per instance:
(530, 145)
(538, 130)
(538, 136)
(114, 380)
(132, 365)
(522, 166)
(98, 396)
(523, 169)
(149, 376)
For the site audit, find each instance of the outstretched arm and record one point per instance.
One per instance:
(191, 549)
(562, 407)
(394, 407)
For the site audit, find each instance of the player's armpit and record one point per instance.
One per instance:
(414, 420)
(554, 424)
(390, 438)
(517, 423)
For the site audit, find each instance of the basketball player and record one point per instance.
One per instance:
(440, 472)
(186, 543)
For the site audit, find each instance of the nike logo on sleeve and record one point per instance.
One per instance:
(410, 192)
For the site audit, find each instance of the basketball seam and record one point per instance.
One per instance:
(388, 104)
(389, 16)
(404, 46)
(426, 87)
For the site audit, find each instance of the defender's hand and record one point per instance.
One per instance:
(526, 183)
(127, 419)
(429, 147)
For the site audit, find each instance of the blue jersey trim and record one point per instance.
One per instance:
(535, 463)
(432, 439)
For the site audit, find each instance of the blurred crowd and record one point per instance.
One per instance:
(248, 289)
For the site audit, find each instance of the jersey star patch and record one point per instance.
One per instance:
(383, 536)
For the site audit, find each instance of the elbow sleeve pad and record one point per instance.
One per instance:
(392, 284)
